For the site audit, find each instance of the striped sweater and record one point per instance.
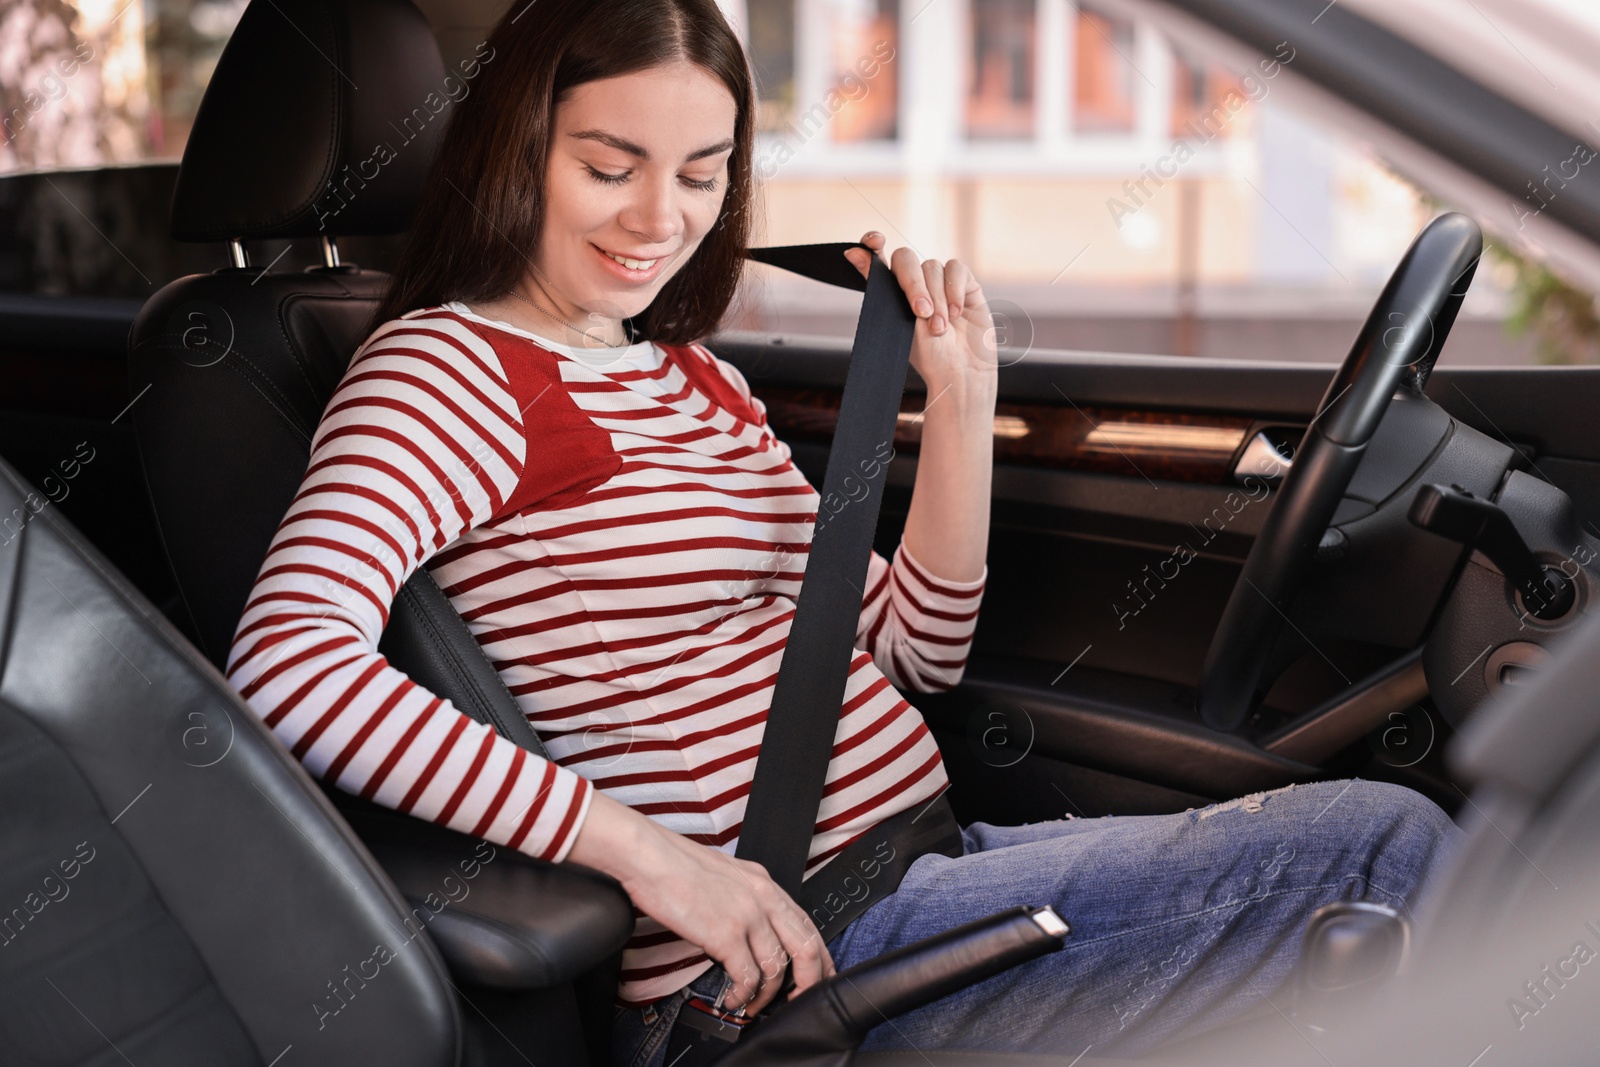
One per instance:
(626, 538)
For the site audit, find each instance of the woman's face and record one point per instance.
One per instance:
(638, 169)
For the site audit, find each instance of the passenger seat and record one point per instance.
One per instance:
(174, 889)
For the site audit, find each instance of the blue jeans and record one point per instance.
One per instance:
(1179, 922)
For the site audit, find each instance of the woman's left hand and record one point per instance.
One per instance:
(954, 338)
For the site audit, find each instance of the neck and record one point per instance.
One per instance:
(575, 327)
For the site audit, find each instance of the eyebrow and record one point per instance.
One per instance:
(624, 145)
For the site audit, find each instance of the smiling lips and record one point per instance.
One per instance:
(631, 263)
(629, 268)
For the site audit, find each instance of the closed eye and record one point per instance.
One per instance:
(604, 178)
(709, 185)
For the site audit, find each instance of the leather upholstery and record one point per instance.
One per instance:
(232, 370)
(172, 877)
(239, 366)
(320, 118)
(516, 923)
(426, 634)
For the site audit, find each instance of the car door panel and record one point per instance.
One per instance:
(1092, 634)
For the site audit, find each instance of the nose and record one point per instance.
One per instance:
(652, 214)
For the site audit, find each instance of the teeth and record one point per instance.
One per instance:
(634, 264)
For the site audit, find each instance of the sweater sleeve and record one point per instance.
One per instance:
(421, 442)
(917, 626)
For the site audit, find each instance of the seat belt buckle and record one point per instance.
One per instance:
(700, 1014)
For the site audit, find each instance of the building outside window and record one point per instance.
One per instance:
(865, 46)
(770, 33)
(1121, 185)
(1105, 80)
(1000, 84)
(1098, 168)
(1201, 90)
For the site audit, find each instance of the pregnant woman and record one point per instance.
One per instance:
(534, 420)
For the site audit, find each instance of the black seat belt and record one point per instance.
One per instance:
(781, 812)
(803, 718)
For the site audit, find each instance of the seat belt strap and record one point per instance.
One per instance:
(791, 768)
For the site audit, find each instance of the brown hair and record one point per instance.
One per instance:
(482, 208)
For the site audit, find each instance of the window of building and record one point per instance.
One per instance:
(771, 29)
(1200, 98)
(865, 49)
(1000, 87)
(1104, 75)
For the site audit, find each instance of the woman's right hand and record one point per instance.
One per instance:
(730, 908)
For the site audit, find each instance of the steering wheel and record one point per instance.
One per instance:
(1395, 350)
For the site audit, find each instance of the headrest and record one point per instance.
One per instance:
(321, 118)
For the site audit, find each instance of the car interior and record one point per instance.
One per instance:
(1207, 579)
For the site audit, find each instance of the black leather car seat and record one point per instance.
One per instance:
(231, 372)
(232, 369)
(240, 363)
(176, 889)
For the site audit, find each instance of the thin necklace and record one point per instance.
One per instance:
(581, 333)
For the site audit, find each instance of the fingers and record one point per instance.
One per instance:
(920, 282)
(811, 965)
(740, 947)
(773, 964)
(739, 962)
(755, 968)
(807, 952)
(940, 292)
(738, 916)
(961, 289)
(804, 943)
(759, 984)
(776, 935)
(860, 258)
(933, 282)
(909, 274)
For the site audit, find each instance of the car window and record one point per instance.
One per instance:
(98, 102)
(1113, 183)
